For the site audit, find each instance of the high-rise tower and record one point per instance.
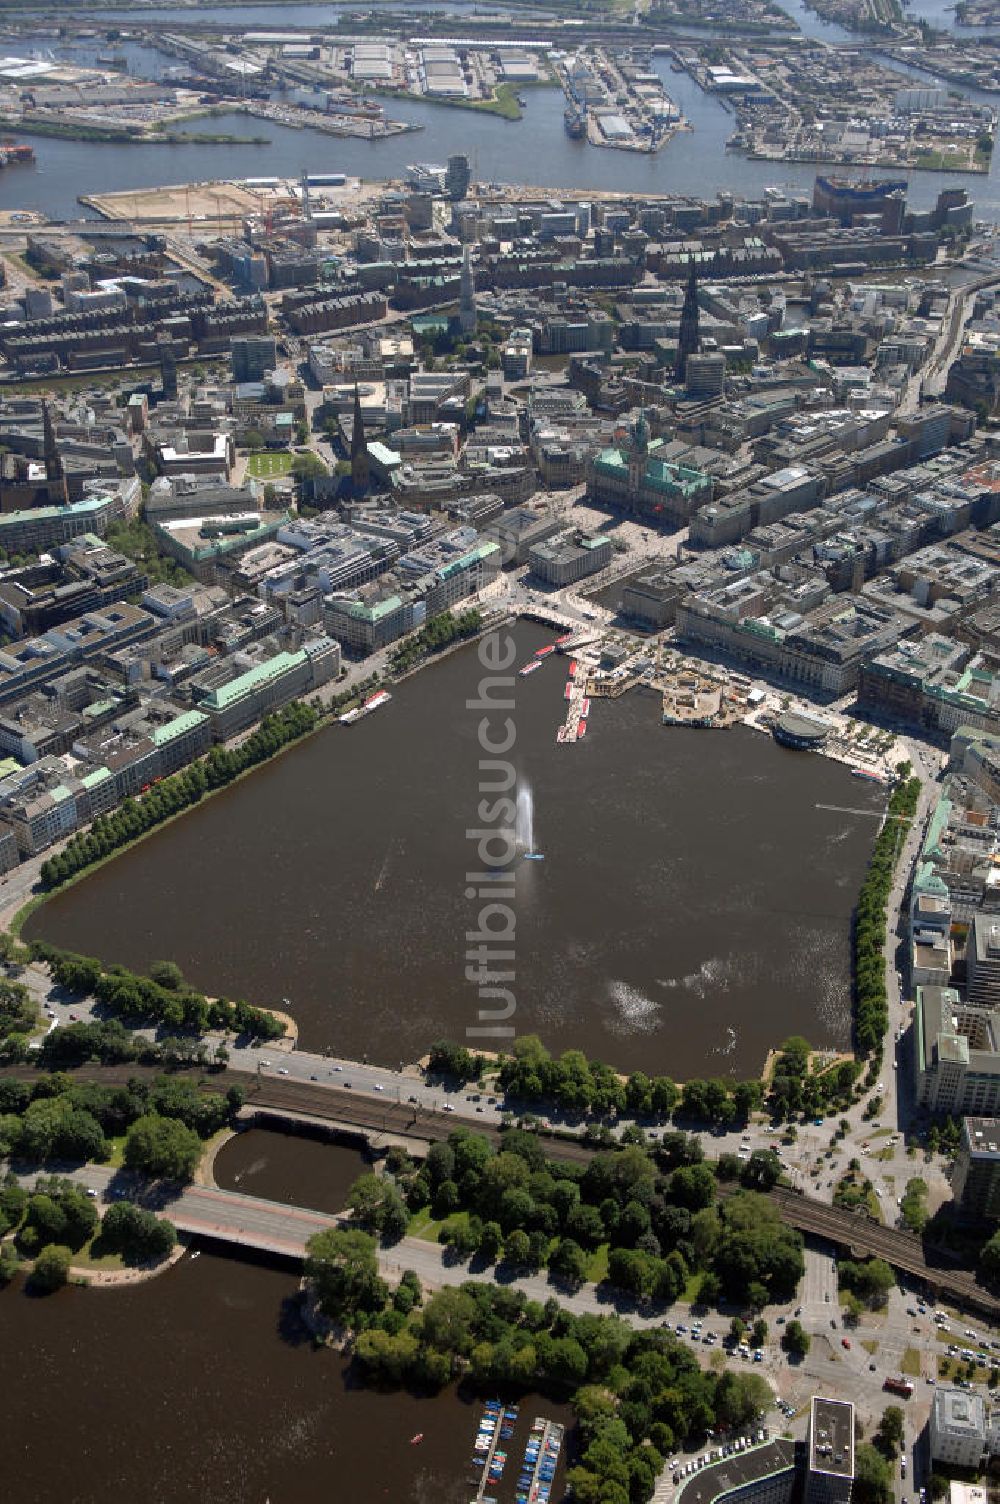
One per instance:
(687, 343)
(55, 470)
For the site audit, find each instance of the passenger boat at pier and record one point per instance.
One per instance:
(373, 702)
(529, 668)
(544, 652)
(581, 730)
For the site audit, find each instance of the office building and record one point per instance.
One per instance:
(975, 1180)
(958, 1428)
(957, 1050)
(982, 960)
(457, 176)
(252, 356)
(830, 1462)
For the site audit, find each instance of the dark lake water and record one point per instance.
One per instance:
(290, 1167)
(202, 1386)
(692, 909)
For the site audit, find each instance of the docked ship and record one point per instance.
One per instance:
(575, 122)
(15, 151)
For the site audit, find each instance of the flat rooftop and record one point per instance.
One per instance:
(831, 1437)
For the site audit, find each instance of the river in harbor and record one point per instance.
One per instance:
(534, 150)
(202, 1385)
(692, 908)
(291, 1167)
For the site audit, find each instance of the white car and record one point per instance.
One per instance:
(378, 1086)
(282, 1070)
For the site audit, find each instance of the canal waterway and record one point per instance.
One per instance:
(291, 1167)
(203, 1385)
(693, 907)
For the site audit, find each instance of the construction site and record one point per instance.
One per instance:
(225, 206)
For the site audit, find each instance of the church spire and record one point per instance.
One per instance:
(359, 449)
(688, 341)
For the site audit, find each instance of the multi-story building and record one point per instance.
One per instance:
(975, 1181)
(562, 561)
(830, 1467)
(764, 1474)
(958, 1428)
(957, 1054)
(364, 626)
(632, 476)
(253, 355)
(245, 698)
(982, 961)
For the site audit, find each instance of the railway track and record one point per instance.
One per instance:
(903, 1250)
(933, 1265)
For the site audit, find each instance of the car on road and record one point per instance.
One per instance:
(282, 1070)
(91, 1193)
(378, 1086)
(313, 1078)
(871, 1368)
(845, 1341)
(267, 1063)
(448, 1107)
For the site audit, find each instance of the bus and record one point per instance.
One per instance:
(899, 1386)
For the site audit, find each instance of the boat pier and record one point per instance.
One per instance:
(541, 1456)
(577, 705)
(496, 1425)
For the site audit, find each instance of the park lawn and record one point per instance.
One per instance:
(86, 1258)
(951, 1368)
(870, 1345)
(423, 1225)
(116, 1157)
(692, 1288)
(910, 1362)
(269, 464)
(597, 1264)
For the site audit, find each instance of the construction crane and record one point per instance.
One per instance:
(306, 202)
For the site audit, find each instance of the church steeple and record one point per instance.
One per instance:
(359, 449)
(688, 341)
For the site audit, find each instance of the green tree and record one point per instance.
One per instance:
(163, 1147)
(343, 1271)
(51, 1269)
(795, 1339)
(872, 1476)
(138, 1235)
(568, 1263)
(891, 1429)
